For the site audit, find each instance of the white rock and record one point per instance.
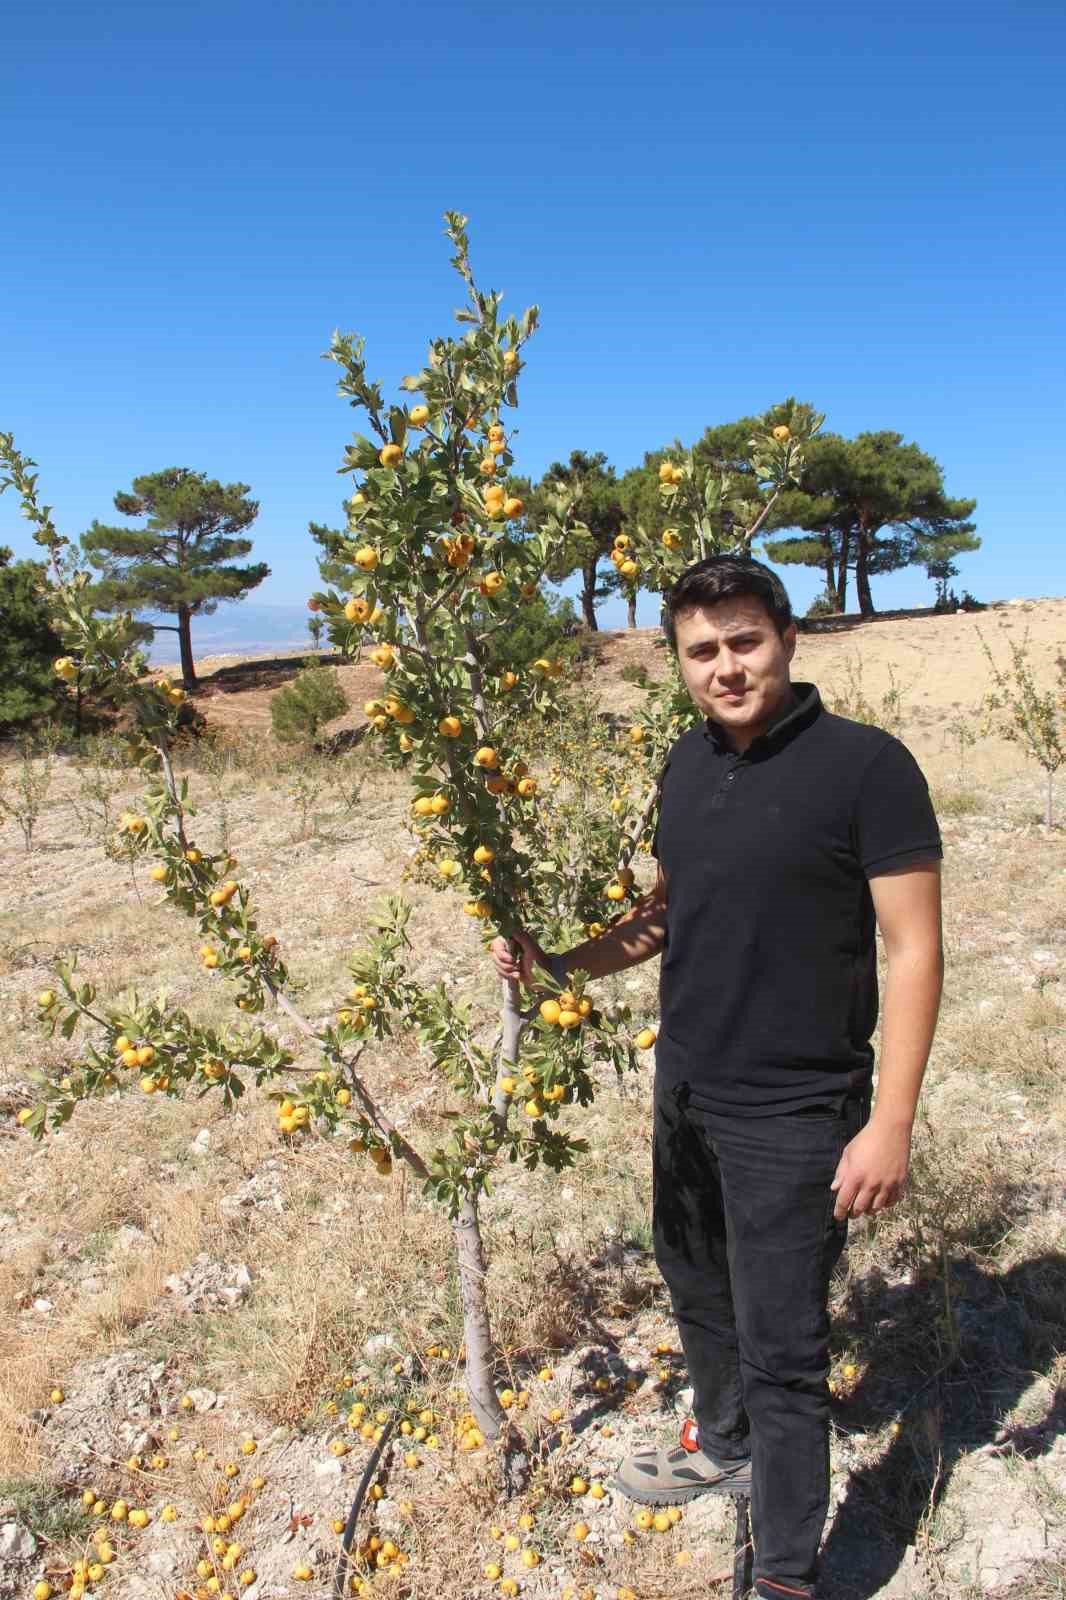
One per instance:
(202, 1143)
(42, 1305)
(378, 1342)
(329, 1468)
(16, 1542)
(203, 1399)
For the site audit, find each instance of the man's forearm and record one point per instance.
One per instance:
(912, 999)
(636, 937)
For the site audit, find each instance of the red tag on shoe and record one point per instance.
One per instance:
(690, 1436)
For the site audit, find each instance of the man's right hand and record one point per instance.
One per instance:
(520, 967)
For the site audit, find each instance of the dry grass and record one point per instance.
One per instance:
(338, 1255)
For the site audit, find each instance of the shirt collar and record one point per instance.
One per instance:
(802, 708)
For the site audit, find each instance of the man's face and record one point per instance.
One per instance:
(735, 665)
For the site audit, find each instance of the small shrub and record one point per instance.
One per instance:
(25, 784)
(823, 605)
(958, 803)
(300, 710)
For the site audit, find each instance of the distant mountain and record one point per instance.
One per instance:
(243, 629)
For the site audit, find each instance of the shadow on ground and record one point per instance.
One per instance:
(961, 1373)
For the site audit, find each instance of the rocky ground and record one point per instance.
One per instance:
(184, 1283)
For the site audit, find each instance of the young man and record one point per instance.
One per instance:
(786, 837)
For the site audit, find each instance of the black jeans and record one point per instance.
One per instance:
(746, 1241)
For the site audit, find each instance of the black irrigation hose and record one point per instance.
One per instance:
(341, 1574)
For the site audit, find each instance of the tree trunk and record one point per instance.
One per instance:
(477, 1332)
(842, 570)
(862, 579)
(188, 666)
(632, 611)
(588, 590)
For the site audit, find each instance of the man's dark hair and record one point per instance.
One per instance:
(717, 578)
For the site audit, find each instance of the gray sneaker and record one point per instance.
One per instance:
(672, 1477)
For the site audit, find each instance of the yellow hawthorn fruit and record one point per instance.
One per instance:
(246, 1578)
(597, 1491)
(644, 1520)
(367, 558)
(514, 507)
(448, 868)
(530, 1558)
(231, 1469)
(498, 786)
(628, 569)
(661, 1522)
(484, 854)
(622, 541)
(486, 757)
(510, 360)
(645, 1038)
(42, 1590)
(508, 1085)
(57, 1396)
(508, 681)
(533, 1108)
(512, 1541)
(418, 416)
(383, 656)
(138, 1519)
(64, 667)
(580, 1531)
(440, 805)
(550, 1010)
(88, 1497)
(169, 1513)
(134, 1463)
(666, 472)
(423, 806)
(158, 874)
(406, 743)
(356, 609)
(506, 1398)
(671, 539)
(615, 891)
(527, 787)
(782, 431)
(119, 1511)
(122, 1044)
(449, 727)
(487, 467)
(491, 1569)
(850, 1370)
(673, 1514)
(542, 665)
(302, 1572)
(509, 1587)
(569, 1019)
(390, 455)
(193, 857)
(578, 1486)
(494, 582)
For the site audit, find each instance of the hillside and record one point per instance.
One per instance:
(158, 1250)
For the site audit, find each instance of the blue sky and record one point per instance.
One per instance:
(714, 207)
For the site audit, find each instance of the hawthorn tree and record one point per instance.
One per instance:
(180, 561)
(437, 567)
(437, 573)
(872, 504)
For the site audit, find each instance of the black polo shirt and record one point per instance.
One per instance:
(768, 985)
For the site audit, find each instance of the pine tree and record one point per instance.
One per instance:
(179, 560)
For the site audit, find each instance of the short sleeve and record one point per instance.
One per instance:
(894, 822)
